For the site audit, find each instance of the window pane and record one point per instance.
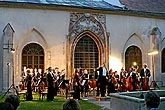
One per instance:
(86, 54)
(133, 54)
(163, 60)
(33, 56)
(29, 60)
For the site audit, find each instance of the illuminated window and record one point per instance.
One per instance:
(33, 56)
(163, 60)
(86, 54)
(133, 56)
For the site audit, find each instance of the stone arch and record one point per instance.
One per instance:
(133, 54)
(36, 53)
(31, 36)
(163, 60)
(91, 35)
(155, 39)
(87, 22)
(98, 42)
(92, 25)
(135, 40)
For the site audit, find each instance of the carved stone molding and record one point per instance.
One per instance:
(92, 25)
(80, 22)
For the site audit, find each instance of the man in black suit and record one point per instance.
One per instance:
(144, 76)
(145, 72)
(102, 79)
(50, 79)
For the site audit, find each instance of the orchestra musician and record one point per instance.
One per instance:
(137, 78)
(122, 80)
(97, 82)
(110, 82)
(57, 80)
(83, 81)
(102, 79)
(76, 85)
(131, 80)
(116, 79)
(29, 87)
(35, 79)
(50, 79)
(62, 83)
(144, 77)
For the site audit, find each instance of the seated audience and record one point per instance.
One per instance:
(14, 100)
(6, 106)
(71, 104)
(152, 100)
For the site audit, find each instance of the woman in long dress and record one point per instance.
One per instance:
(29, 88)
(76, 85)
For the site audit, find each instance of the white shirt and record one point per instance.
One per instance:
(104, 71)
(144, 71)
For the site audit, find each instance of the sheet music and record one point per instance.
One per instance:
(83, 82)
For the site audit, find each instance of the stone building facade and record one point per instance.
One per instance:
(70, 37)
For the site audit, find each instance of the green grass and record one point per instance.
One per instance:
(56, 104)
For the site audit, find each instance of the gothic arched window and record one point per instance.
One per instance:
(86, 54)
(133, 55)
(33, 56)
(163, 60)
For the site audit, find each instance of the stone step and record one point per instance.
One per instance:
(107, 98)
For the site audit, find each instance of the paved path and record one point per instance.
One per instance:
(102, 103)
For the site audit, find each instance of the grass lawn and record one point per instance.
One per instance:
(56, 104)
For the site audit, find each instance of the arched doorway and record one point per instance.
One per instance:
(133, 57)
(33, 56)
(163, 60)
(86, 55)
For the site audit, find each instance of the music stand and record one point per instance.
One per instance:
(12, 50)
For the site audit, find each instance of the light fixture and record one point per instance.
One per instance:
(153, 52)
(134, 64)
(12, 50)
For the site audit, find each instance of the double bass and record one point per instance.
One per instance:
(129, 82)
(145, 85)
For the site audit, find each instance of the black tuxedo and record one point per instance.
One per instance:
(146, 73)
(102, 80)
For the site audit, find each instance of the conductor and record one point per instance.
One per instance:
(102, 79)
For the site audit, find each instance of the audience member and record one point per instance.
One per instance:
(152, 100)
(6, 106)
(14, 100)
(71, 104)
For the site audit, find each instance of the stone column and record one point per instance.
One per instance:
(155, 44)
(7, 70)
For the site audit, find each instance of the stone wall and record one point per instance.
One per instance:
(121, 101)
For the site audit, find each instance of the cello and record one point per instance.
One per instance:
(92, 84)
(123, 85)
